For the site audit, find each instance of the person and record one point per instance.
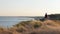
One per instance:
(46, 16)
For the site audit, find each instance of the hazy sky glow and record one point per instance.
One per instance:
(28, 7)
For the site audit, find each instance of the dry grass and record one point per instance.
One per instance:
(34, 27)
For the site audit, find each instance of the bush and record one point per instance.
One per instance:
(37, 25)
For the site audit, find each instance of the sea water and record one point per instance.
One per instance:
(8, 21)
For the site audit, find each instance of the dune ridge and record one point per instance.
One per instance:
(34, 27)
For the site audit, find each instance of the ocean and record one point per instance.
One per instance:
(9, 21)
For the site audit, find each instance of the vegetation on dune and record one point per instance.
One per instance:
(54, 16)
(36, 25)
(33, 27)
(23, 23)
(27, 26)
(20, 30)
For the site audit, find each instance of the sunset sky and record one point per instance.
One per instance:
(29, 7)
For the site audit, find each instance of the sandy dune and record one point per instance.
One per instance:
(34, 27)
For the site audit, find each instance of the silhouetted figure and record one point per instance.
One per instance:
(46, 15)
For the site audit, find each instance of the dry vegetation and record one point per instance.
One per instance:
(34, 27)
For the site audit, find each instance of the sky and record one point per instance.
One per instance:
(29, 7)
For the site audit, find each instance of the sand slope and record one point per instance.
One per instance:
(34, 27)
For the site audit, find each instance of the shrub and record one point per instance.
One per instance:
(36, 25)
